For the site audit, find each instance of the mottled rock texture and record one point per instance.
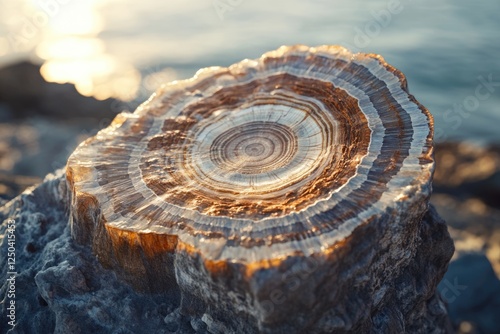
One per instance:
(62, 288)
(287, 194)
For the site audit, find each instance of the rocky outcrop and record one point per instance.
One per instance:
(62, 288)
(41, 123)
(24, 90)
(283, 195)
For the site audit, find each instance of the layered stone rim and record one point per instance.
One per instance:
(374, 149)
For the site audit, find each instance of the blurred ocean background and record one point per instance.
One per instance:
(449, 50)
(120, 51)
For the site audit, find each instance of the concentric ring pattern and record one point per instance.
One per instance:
(289, 152)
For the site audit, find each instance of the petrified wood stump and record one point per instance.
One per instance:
(284, 194)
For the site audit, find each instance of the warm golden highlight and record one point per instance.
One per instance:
(255, 168)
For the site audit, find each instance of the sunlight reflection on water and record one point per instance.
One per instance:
(83, 62)
(110, 48)
(73, 53)
(64, 35)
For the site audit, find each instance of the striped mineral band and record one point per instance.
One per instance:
(253, 167)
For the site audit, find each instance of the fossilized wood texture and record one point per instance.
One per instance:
(279, 194)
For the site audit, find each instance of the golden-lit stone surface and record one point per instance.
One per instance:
(273, 195)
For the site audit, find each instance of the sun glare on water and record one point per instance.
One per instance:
(73, 53)
(83, 62)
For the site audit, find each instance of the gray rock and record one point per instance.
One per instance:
(62, 288)
(59, 286)
(25, 91)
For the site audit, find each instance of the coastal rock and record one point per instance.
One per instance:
(283, 194)
(41, 123)
(62, 288)
(24, 90)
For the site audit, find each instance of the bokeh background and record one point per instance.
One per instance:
(113, 48)
(68, 66)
